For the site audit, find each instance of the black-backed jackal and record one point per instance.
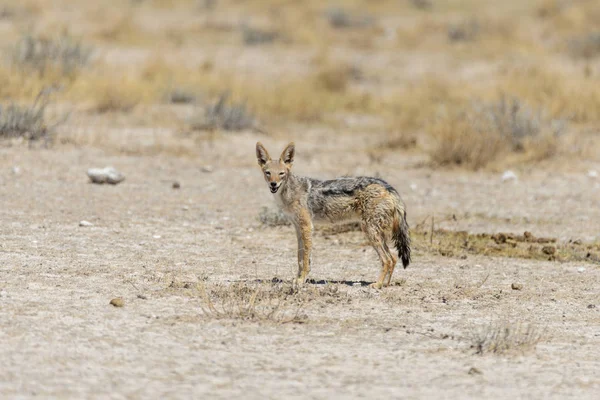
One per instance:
(372, 201)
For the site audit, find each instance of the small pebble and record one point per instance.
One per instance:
(117, 302)
(176, 185)
(581, 269)
(509, 176)
(207, 168)
(156, 236)
(85, 223)
(142, 296)
(105, 175)
(475, 371)
(3, 293)
(16, 170)
(592, 173)
(516, 286)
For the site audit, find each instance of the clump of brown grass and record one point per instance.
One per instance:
(484, 132)
(125, 30)
(336, 77)
(239, 301)
(119, 95)
(505, 337)
(574, 97)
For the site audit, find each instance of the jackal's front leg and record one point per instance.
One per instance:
(304, 229)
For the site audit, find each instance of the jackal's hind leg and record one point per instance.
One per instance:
(394, 259)
(378, 242)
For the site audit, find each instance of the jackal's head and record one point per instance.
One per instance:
(275, 172)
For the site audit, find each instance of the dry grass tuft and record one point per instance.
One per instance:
(503, 338)
(62, 55)
(28, 122)
(340, 18)
(253, 36)
(225, 115)
(273, 217)
(487, 131)
(117, 97)
(240, 301)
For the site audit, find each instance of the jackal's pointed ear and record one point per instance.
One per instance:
(287, 156)
(262, 154)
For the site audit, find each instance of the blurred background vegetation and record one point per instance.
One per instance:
(471, 83)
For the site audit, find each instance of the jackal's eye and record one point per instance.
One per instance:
(281, 173)
(267, 173)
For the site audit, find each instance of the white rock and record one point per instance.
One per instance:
(16, 170)
(592, 173)
(105, 175)
(3, 293)
(156, 236)
(85, 223)
(208, 168)
(581, 269)
(413, 187)
(509, 176)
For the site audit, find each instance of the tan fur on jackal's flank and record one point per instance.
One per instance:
(372, 201)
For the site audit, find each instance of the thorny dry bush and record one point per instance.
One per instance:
(225, 115)
(505, 337)
(62, 54)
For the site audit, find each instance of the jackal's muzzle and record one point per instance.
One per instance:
(274, 187)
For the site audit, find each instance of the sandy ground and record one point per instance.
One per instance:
(156, 247)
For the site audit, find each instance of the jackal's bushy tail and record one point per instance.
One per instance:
(401, 234)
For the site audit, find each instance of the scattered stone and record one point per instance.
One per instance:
(16, 170)
(549, 250)
(581, 269)
(413, 187)
(176, 185)
(208, 168)
(591, 306)
(85, 223)
(142, 296)
(475, 371)
(516, 286)
(117, 302)
(105, 175)
(156, 236)
(509, 176)
(3, 293)
(592, 173)
(185, 208)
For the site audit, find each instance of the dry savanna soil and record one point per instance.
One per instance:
(176, 282)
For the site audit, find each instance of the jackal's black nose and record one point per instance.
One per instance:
(273, 184)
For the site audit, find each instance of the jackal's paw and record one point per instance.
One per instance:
(376, 285)
(298, 282)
